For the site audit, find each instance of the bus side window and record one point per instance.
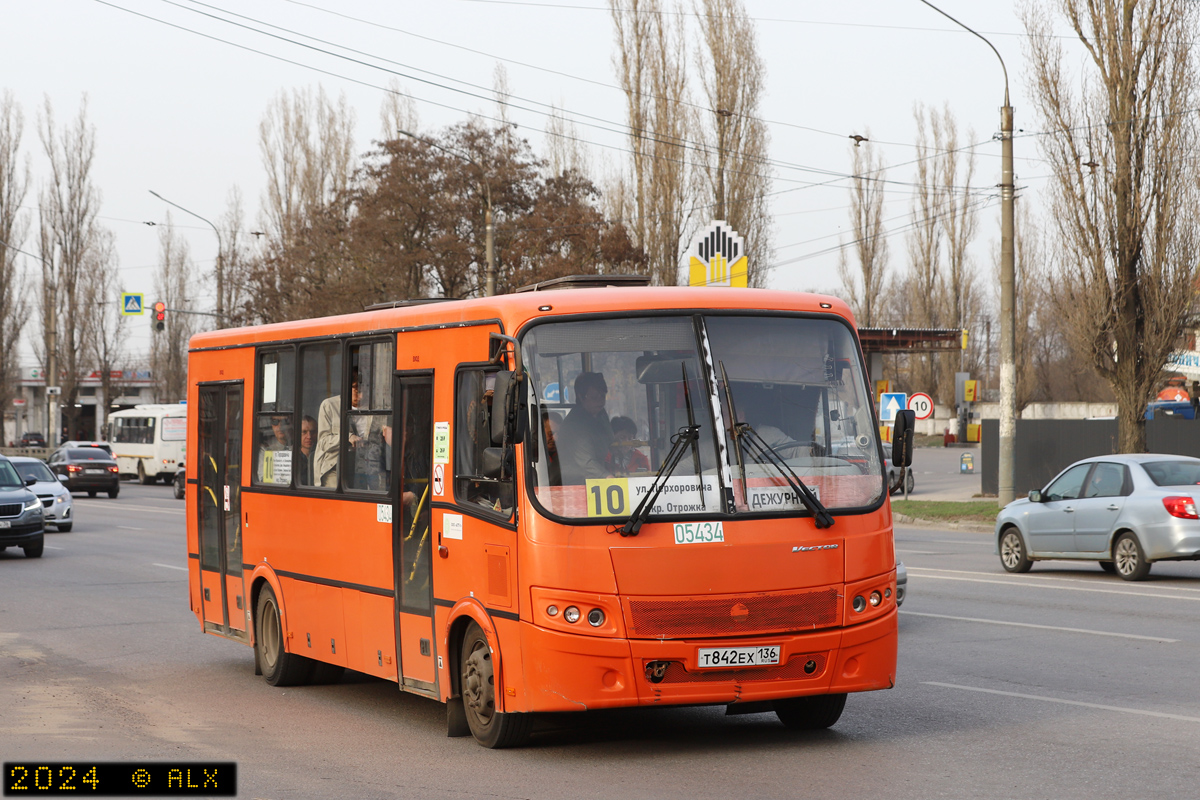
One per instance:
(368, 421)
(321, 401)
(483, 469)
(273, 419)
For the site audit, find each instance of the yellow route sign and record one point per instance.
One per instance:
(717, 257)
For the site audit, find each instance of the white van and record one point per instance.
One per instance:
(149, 441)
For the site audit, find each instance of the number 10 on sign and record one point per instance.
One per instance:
(922, 404)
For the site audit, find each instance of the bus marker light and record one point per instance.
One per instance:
(552, 611)
(571, 614)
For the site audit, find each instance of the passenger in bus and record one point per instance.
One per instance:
(624, 458)
(308, 438)
(586, 433)
(274, 468)
(367, 438)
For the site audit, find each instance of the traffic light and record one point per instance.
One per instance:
(160, 315)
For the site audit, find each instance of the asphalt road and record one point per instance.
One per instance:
(1062, 683)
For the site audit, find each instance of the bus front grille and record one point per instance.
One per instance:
(682, 617)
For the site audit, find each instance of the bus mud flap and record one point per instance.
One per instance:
(456, 718)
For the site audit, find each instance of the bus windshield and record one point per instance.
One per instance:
(614, 395)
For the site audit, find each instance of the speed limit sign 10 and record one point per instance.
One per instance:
(922, 404)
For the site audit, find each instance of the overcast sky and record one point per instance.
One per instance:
(176, 98)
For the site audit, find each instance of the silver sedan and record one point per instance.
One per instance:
(1123, 511)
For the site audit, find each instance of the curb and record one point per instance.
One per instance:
(973, 527)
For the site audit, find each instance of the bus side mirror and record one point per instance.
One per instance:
(902, 438)
(509, 418)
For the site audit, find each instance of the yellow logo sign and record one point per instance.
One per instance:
(717, 257)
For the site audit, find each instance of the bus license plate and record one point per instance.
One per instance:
(762, 656)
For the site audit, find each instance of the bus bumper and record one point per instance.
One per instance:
(577, 673)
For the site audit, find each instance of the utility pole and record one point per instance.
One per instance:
(489, 228)
(1008, 305)
(220, 258)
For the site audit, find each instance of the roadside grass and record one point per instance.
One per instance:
(983, 511)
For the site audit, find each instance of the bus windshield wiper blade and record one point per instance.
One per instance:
(687, 436)
(763, 451)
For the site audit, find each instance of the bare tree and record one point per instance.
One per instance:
(173, 286)
(104, 326)
(653, 75)
(398, 111)
(735, 138)
(14, 185)
(307, 146)
(961, 307)
(565, 150)
(67, 233)
(236, 258)
(1129, 229)
(864, 288)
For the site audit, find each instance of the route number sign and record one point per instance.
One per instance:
(922, 404)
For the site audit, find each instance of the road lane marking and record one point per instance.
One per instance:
(906, 540)
(1042, 627)
(1100, 706)
(52, 547)
(1023, 584)
(172, 566)
(1089, 580)
(124, 507)
(128, 528)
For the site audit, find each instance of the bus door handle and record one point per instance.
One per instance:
(443, 551)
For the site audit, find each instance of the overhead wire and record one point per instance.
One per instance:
(671, 141)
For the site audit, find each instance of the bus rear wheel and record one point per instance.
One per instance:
(491, 728)
(279, 667)
(810, 713)
(145, 479)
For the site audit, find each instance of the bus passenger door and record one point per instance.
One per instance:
(412, 534)
(219, 489)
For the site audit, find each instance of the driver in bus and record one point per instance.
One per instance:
(586, 434)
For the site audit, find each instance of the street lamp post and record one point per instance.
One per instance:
(1008, 316)
(489, 229)
(220, 258)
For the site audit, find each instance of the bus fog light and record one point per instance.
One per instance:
(571, 614)
(595, 618)
(859, 603)
(552, 611)
(876, 598)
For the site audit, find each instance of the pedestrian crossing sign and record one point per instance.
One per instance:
(131, 304)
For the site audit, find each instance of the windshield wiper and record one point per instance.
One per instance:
(763, 451)
(687, 435)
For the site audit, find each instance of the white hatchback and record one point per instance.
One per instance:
(56, 499)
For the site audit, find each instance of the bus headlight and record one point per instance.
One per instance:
(571, 614)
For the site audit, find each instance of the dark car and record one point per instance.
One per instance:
(86, 469)
(32, 439)
(21, 521)
(75, 445)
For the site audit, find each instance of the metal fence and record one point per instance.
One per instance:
(1044, 447)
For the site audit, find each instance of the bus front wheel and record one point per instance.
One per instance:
(810, 713)
(491, 728)
(279, 667)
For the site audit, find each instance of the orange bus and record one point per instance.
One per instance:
(550, 501)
